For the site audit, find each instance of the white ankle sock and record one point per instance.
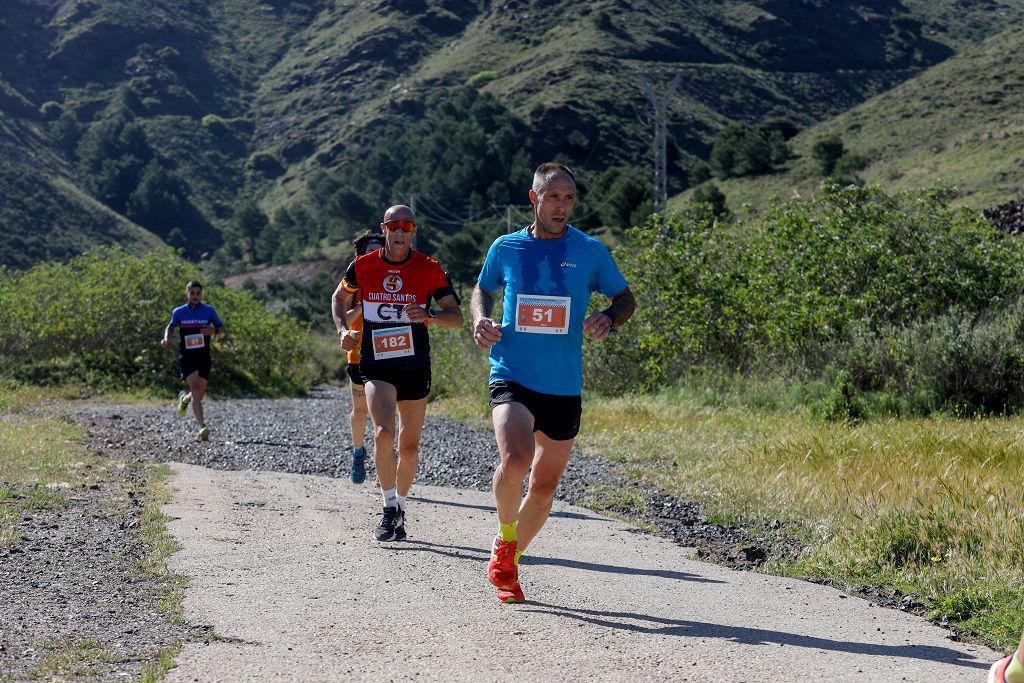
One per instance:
(401, 500)
(390, 498)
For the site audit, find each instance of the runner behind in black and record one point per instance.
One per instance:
(197, 323)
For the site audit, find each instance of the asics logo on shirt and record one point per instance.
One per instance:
(566, 264)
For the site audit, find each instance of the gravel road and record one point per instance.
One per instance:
(70, 588)
(284, 568)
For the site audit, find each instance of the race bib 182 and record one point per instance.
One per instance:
(392, 342)
(538, 314)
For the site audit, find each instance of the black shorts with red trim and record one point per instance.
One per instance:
(557, 417)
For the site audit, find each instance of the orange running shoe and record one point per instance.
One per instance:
(502, 570)
(995, 674)
(511, 595)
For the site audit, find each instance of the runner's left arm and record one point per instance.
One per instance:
(215, 326)
(450, 313)
(598, 325)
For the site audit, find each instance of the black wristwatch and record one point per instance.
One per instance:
(431, 313)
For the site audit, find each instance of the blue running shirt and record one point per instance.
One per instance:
(191, 322)
(547, 286)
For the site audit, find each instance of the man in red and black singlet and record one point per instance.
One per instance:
(396, 286)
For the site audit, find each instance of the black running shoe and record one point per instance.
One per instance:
(400, 529)
(389, 524)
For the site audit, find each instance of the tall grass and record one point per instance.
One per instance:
(931, 507)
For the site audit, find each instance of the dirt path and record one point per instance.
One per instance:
(284, 568)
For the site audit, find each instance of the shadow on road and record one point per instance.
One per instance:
(481, 554)
(643, 623)
(613, 569)
(490, 508)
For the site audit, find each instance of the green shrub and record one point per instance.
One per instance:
(827, 151)
(481, 77)
(741, 150)
(849, 165)
(266, 164)
(843, 403)
(98, 319)
(216, 125)
(783, 293)
(961, 362)
(713, 197)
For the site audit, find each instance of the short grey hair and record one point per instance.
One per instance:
(548, 171)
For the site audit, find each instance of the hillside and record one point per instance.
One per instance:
(172, 112)
(959, 123)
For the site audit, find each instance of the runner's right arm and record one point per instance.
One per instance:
(341, 304)
(485, 333)
(167, 331)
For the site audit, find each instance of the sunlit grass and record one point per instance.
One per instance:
(63, 660)
(932, 507)
(21, 397)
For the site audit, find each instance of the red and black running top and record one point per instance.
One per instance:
(389, 338)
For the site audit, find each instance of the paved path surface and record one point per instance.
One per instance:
(285, 569)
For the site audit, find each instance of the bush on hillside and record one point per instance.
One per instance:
(780, 292)
(962, 362)
(98, 319)
(740, 150)
(712, 197)
(827, 151)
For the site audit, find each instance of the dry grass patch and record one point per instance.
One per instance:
(931, 507)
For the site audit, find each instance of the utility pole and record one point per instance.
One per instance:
(660, 108)
(508, 219)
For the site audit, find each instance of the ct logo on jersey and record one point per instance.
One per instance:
(392, 283)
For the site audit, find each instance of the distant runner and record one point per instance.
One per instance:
(197, 323)
(365, 244)
(548, 271)
(396, 285)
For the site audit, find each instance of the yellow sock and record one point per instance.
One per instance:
(519, 553)
(1015, 671)
(507, 532)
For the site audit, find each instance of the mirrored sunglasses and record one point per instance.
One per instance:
(404, 226)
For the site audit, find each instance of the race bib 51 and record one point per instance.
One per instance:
(393, 342)
(538, 314)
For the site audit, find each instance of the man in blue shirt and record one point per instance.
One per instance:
(547, 272)
(196, 323)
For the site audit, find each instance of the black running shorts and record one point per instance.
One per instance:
(194, 362)
(412, 383)
(557, 417)
(352, 370)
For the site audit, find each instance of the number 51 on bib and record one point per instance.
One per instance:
(539, 314)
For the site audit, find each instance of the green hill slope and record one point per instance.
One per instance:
(231, 99)
(960, 123)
